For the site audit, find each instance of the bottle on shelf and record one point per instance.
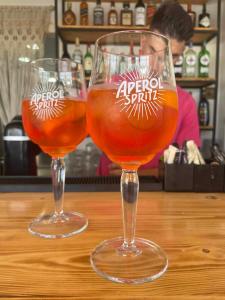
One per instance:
(123, 64)
(77, 55)
(69, 17)
(65, 51)
(84, 13)
(101, 67)
(190, 62)
(98, 14)
(112, 15)
(191, 13)
(203, 62)
(150, 11)
(181, 155)
(218, 155)
(204, 18)
(178, 66)
(140, 13)
(133, 59)
(88, 62)
(203, 110)
(126, 15)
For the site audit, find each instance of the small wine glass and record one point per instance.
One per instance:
(54, 117)
(132, 114)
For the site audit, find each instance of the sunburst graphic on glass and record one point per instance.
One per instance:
(49, 108)
(150, 100)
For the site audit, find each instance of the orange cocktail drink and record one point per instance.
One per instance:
(132, 128)
(60, 134)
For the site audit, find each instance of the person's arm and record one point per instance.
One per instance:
(189, 124)
(103, 166)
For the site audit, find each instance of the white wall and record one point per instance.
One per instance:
(27, 2)
(33, 3)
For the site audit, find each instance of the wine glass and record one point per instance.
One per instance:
(54, 117)
(132, 114)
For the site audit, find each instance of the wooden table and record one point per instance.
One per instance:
(190, 228)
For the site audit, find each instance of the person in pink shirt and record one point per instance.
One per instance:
(172, 21)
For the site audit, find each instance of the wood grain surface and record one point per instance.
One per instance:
(190, 228)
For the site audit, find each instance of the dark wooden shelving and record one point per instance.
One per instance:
(203, 34)
(195, 82)
(193, 2)
(89, 34)
(207, 128)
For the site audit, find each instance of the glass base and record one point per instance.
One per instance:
(58, 225)
(144, 262)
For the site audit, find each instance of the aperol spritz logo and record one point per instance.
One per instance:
(140, 93)
(47, 101)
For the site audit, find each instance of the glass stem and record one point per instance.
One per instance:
(129, 186)
(58, 183)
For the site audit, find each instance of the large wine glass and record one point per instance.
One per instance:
(132, 112)
(54, 117)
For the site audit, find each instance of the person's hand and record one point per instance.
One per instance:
(114, 169)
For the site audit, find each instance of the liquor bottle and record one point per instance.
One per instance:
(150, 11)
(180, 157)
(203, 62)
(204, 18)
(101, 67)
(190, 62)
(83, 13)
(203, 111)
(65, 51)
(140, 13)
(112, 15)
(98, 14)
(191, 13)
(126, 15)
(88, 61)
(123, 65)
(217, 154)
(132, 58)
(69, 17)
(77, 53)
(178, 66)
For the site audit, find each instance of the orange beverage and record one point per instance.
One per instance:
(57, 130)
(131, 130)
